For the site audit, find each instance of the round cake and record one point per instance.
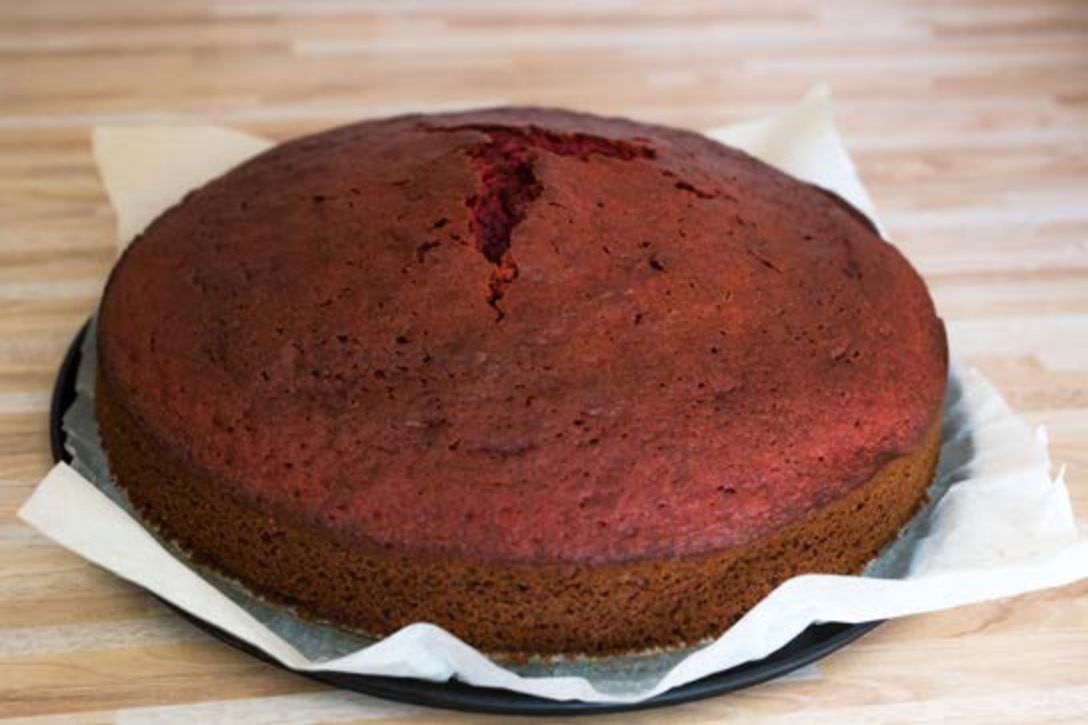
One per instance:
(555, 382)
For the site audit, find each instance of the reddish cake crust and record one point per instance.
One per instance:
(516, 340)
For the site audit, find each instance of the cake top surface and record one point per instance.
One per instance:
(523, 334)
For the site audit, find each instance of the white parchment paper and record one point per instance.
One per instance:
(999, 525)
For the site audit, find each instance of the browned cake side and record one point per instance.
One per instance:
(507, 608)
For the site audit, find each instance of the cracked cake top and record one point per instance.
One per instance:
(524, 334)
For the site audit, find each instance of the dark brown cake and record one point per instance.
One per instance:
(557, 383)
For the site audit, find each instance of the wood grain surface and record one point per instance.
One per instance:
(969, 122)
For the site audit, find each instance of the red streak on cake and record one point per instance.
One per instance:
(508, 184)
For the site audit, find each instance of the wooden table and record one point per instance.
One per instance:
(969, 121)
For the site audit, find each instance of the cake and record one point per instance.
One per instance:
(558, 383)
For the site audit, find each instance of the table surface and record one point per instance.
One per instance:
(969, 122)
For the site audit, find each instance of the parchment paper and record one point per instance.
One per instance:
(998, 525)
